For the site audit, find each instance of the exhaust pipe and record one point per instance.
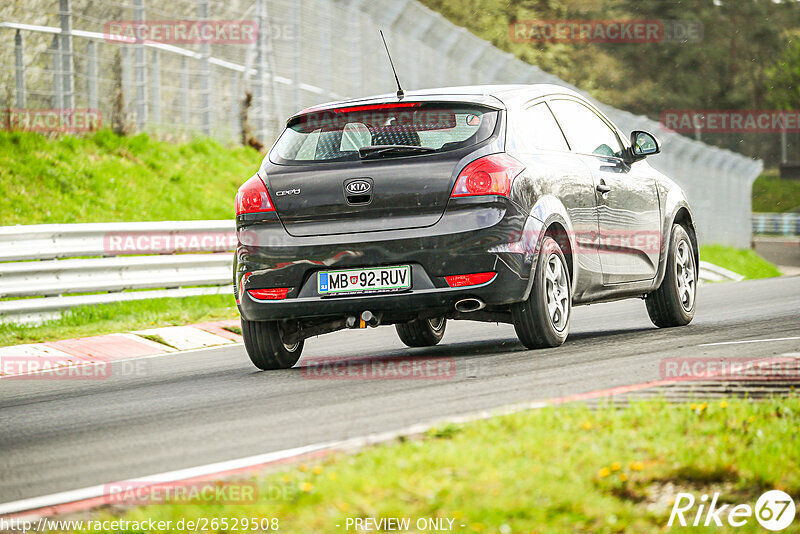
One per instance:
(370, 319)
(367, 319)
(469, 305)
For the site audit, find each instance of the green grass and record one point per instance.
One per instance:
(742, 261)
(772, 194)
(122, 317)
(104, 177)
(560, 469)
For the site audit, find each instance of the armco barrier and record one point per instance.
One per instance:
(47, 268)
(776, 223)
(51, 267)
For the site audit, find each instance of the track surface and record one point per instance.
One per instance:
(184, 410)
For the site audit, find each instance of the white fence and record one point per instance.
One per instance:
(97, 263)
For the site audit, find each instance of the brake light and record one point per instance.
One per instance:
(489, 175)
(277, 293)
(475, 279)
(371, 107)
(252, 197)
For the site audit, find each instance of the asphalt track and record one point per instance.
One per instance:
(190, 409)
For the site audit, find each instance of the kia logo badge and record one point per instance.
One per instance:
(358, 187)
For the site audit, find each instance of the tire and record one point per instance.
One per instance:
(421, 332)
(542, 320)
(265, 347)
(673, 303)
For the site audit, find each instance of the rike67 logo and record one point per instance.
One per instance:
(774, 510)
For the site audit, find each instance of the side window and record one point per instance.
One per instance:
(586, 132)
(539, 130)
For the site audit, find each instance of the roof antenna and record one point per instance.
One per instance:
(400, 92)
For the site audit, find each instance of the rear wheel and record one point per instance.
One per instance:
(672, 304)
(421, 332)
(265, 346)
(542, 320)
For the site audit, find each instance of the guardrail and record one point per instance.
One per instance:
(47, 268)
(776, 223)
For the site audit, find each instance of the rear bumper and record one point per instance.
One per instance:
(472, 236)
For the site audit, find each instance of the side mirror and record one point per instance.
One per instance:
(643, 144)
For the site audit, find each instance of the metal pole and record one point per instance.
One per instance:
(155, 87)
(91, 74)
(55, 50)
(139, 68)
(207, 81)
(19, 60)
(784, 141)
(185, 95)
(68, 64)
(127, 75)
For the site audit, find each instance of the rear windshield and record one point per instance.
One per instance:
(338, 134)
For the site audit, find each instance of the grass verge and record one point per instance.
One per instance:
(773, 194)
(559, 469)
(104, 177)
(742, 261)
(122, 317)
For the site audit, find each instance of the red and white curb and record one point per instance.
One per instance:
(109, 348)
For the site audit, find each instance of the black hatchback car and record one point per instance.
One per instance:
(487, 203)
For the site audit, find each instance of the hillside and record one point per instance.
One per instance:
(103, 177)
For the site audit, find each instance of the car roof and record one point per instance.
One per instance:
(500, 96)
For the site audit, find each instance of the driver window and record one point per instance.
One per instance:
(586, 132)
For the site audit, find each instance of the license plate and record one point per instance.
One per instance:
(377, 279)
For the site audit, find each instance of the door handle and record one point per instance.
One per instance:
(603, 188)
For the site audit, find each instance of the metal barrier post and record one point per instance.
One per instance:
(91, 75)
(68, 64)
(55, 50)
(155, 87)
(139, 68)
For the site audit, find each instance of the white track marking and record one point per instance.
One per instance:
(220, 468)
(750, 341)
(169, 476)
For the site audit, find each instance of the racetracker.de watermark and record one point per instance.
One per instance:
(729, 368)
(205, 492)
(731, 120)
(379, 369)
(182, 31)
(606, 31)
(168, 242)
(24, 367)
(51, 120)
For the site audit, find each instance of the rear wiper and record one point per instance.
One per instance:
(375, 150)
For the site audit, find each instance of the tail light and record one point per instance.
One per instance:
(277, 293)
(252, 197)
(489, 175)
(475, 279)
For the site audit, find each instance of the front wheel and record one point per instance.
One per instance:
(672, 304)
(266, 347)
(542, 320)
(421, 332)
